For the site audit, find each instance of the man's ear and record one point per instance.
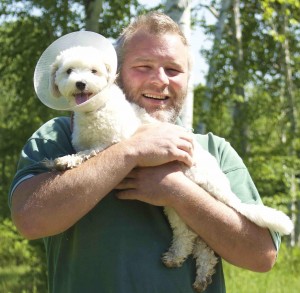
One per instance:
(52, 85)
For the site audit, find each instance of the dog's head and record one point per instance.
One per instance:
(78, 74)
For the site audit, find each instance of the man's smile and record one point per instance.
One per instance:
(155, 97)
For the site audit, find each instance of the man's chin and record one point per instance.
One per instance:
(164, 115)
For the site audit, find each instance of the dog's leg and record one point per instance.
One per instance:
(205, 265)
(70, 161)
(207, 174)
(182, 242)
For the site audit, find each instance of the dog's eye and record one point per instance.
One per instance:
(94, 71)
(69, 71)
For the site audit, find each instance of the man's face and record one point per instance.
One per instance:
(154, 74)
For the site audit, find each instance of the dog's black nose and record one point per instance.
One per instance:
(80, 85)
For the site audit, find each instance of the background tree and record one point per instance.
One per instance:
(278, 16)
(254, 96)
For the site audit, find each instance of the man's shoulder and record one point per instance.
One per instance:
(51, 140)
(222, 150)
(53, 129)
(211, 141)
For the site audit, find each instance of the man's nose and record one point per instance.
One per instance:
(160, 77)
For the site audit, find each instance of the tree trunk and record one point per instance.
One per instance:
(240, 127)
(292, 118)
(93, 9)
(180, 12)
(226, 4)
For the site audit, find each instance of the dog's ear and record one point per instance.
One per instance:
(111, 77)
(52, 85)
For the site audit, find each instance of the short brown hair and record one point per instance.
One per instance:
(155, 23)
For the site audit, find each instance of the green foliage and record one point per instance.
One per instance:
(283, 278)
(21, 112)
(22, 264)
(116, 15)
(218, 119)
(13, 248)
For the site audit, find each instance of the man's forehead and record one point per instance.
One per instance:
(144, 47)
(142, 36)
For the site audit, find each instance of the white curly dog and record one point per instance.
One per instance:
(78, 74)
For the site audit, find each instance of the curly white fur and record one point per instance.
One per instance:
(115, 119)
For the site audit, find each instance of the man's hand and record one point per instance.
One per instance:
(160, 185)
(160, 143)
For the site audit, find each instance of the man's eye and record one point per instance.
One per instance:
(143, 67)
(172, 71)
(94, 71)
(69, 71)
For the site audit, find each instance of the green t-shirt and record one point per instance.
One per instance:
(117, 246)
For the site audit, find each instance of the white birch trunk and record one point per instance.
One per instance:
(215, 52)
(180, 12)
(240, 108)
(293, 118)
(218, 37)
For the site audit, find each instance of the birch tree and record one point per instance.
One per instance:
(279, 22)
(93, 9)
(180, 12)
(239, 129)
(221, 17)
(294, 131)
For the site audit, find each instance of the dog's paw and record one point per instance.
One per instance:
(171, 260)
(61, 165)
(57, 164)
(201, 284)
(49, 164)
(67, 162)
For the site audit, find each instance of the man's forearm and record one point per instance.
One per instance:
(228, 233)
(50, 203)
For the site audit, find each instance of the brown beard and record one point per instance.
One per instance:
(165, 115)
(160, 114)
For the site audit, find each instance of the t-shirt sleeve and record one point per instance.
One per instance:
(50, 141)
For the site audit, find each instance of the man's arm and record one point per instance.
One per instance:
(50, 203)
(228, 233)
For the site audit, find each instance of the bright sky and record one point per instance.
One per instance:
(198, 42)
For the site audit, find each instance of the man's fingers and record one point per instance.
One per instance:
(127, 194)
(126, 183)
(185, 158)
(187, 147)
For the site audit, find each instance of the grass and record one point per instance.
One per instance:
(283, 278)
